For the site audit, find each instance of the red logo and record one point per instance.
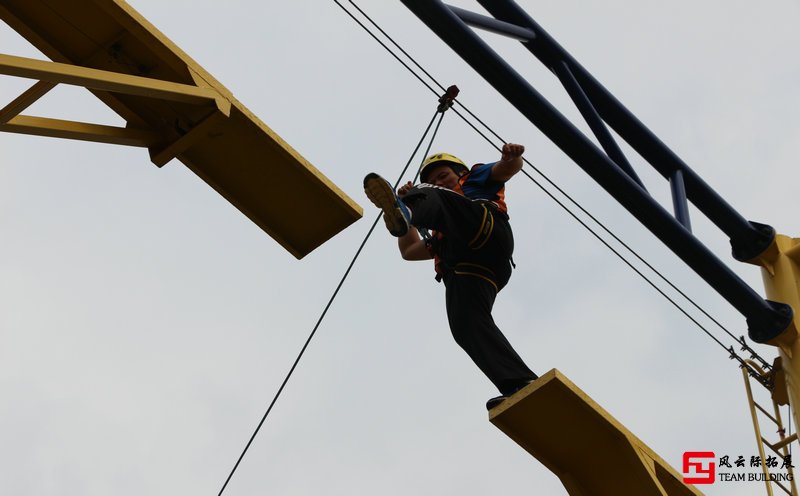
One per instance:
(699, 467)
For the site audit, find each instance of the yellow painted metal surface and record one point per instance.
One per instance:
(16, 106)
(780, 270)
(57, 128)
(590, 451)
(751, 403)
(780, 447)
(94, 79)
(173, 107)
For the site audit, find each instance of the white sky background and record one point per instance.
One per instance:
(146, 323)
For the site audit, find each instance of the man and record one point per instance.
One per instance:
(472, 245)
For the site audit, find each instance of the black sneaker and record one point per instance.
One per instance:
(493, 402)
(395, 213)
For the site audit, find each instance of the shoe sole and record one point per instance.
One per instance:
(381, 195)
(495, 402)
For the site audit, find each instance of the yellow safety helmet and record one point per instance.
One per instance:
(438, 159)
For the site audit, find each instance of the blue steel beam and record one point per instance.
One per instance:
(748, 239)
(765, 319)
(594, 120)
(679, 203)
(493, 25)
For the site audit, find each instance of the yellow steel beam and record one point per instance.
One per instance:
(126, 62)
(161, 156)
(780, 271)
(30, 33)
(751, 403)
(95, 79)
(57, 128)
(589, 450)
(25, 100)
(784, 442)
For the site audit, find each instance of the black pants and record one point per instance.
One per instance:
(475, 254)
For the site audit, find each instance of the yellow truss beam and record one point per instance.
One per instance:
(173, 107)
(114, 82)
(589, 450)
(780, 271)
(25, 100)
(57, 128)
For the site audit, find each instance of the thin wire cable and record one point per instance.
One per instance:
(299, 356)
(419, 66)
(546, 178)
(327, 307)
(428, 150)
(538, 171)
(617, 253)
(424, 233)
(385, 47)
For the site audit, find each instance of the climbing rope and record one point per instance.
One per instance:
(732, 354)
(445, 102)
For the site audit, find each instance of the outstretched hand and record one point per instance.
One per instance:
(512, 151)
(510, 163)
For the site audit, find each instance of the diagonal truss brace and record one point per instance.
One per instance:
(50, 74)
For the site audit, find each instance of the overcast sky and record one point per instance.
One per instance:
(146, 323)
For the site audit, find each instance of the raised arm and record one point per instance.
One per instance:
(509, 164)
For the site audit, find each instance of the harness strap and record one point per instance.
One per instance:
(484, 231)
(476, 270)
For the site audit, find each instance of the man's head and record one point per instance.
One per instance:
(442, 169)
